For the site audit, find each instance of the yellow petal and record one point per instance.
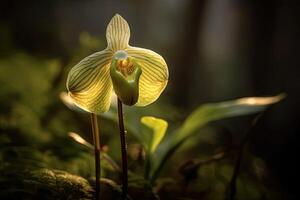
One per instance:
(154, 76)
(117, 33)
(89, 82)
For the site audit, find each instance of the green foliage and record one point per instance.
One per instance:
(34, 125)
(200, 117)
(22, 100)
(40, 161)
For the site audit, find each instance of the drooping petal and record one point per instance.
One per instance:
(89, 82)
(154, 76)
(117, 33)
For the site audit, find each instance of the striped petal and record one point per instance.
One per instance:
(117, 33)
(89, 82)
(154, 76)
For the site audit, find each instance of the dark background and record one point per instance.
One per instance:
(215, 49)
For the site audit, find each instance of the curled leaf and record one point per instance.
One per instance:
(158, 129)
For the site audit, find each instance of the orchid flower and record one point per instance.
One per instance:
(138, 76)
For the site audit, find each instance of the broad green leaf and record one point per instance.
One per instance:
(158, 129)
(215, 111)
(205, 114)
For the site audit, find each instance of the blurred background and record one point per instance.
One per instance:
(216, 50)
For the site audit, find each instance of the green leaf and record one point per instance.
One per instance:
(215, 111)
(203, 115)
(158, 129)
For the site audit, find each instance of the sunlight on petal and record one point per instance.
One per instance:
(69, 102)
(114, 100)
(117, 33)
(154, 76)
(89, 83)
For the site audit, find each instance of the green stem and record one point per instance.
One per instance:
(97, 149)
(123, 151)
(147, 166)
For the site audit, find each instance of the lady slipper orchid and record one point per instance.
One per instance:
(138, 76)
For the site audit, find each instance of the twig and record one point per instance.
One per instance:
(189, 169)
(236, 170)
(103, 155)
